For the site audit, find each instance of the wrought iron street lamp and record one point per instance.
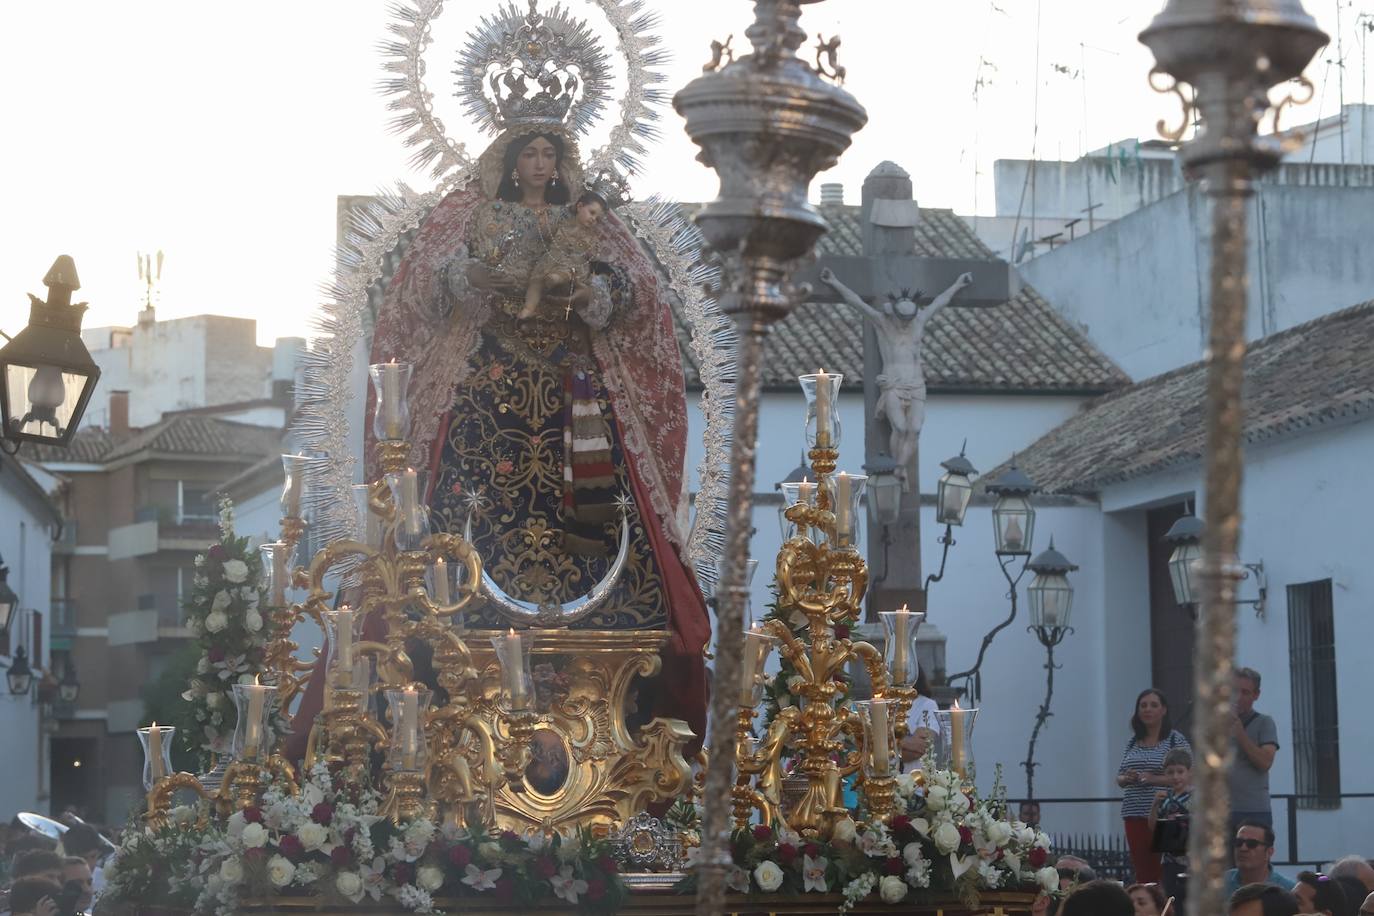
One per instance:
(1050, 596)
(1186, 536)
(955, 489)
(9, 601)
(884, 490)
(1013, 516)
(46, 373)
(69, 688)
(20, 675)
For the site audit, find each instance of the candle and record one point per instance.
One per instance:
(956, 738)
(514, 670)
(844, 521)
(409, 725)
(155, 752)
(406, 492)
(823, 408)
(280, 574)
(880, 728)
(391, 401)
(252, 733)
(441, 592)
(900, 621)
(806, 493)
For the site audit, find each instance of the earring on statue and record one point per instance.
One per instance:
(515, 177)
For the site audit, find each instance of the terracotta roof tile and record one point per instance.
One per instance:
(1298, 380)
(186, 434)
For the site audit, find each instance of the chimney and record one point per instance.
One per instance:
(832, 194)
(119, 415)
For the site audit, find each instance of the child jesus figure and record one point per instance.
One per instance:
(568, 259)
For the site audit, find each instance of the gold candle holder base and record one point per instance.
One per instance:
(406, 798)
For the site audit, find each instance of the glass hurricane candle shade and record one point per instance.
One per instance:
(362, 681)
(822, 391)
(368, 527)
(1183, 572)
(798, 492)
(846, 497)
(899, 649)
(1051, 598)
(753, 677)
(391, 416)
(297, 470)
(408, 707)
(879, 752)
(412, 517)
(276, 572)
(953, 493)
(339, 623)
(1013, 525)
(513, 654)
(954, 743)
(157, 752)
(253, 733)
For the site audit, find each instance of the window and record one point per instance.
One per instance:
(1312, 658)
(197, 503)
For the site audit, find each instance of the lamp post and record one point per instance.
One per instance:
(9, 601)
(20, 675)
(767, 123)
(46, 373)
(1050, 596)
(1231, 52)
(1185, 564)
(952, 495)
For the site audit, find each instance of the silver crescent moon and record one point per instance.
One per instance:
(550, 614)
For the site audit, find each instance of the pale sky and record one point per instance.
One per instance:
(222, 133)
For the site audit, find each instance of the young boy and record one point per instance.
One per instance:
(1173, 806)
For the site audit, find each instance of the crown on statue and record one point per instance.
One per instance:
(533, 70)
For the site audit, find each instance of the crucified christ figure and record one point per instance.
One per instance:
(901, 324)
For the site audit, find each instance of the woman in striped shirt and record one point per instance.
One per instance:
(1142, 772)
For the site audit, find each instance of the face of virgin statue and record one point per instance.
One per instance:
(537, 163)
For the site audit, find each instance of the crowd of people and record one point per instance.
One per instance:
(47, 877)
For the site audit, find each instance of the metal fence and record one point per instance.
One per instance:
(1110, 857)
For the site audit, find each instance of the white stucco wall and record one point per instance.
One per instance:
(1301, 502)
(26, 545)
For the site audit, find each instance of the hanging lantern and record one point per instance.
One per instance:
(1050, 593)
(69, 688)
(9, 601)
(1186, 536)
(954, 490)
(884, 491)
(1013, 516)
(46, 373)
(20, 674)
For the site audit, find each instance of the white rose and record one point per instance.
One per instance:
(248, 678)
(912, 854)
(998, 833)
(231, 871)
(312, 835)
(906, 784)
(216, 621)
(937, 797)
(844, 831)
(350, 885)
(221, 601)
(892, 889)
(1048, 878)
(280, 871)
(203, 666)
(489, 851)
(1042, 840)
(430, 878)
(768, 875)
(252, 621)
(946, 838)
(958, 803)
(235, 571)
(254, 836)
(921, 826)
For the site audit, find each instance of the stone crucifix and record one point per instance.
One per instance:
(901, 326)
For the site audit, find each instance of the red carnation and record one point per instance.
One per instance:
(607, 865)
(403, 872)
(900, 824)
(841, 631)
(812, 850)
(1037, 857)
(341, 856)
(252, 814)
(596, 889)
(323, 813)
(895, 865)
(763, 833)
(787, 853)
(965, 835)
(217, 553)
(460, 856)
(545, 867)
(291, 847)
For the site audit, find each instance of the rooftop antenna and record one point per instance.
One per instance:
(151, 277)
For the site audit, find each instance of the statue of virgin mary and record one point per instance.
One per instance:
(540, 432)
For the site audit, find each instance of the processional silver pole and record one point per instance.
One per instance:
(766, 123)
(1231, 53)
